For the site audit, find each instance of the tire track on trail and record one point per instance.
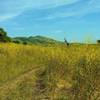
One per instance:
(18, 78)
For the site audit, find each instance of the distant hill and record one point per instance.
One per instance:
(37, 40)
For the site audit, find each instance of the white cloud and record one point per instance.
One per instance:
(81, 9)
(11, 8)
(4, 17)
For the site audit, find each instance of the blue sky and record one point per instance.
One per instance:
(77, 20)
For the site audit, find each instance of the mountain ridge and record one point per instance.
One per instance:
(37, 40)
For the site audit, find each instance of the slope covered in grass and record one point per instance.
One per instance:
(52, 73)
(37, 40)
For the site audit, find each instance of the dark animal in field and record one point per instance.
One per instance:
(66, 42)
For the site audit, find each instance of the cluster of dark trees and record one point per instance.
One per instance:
(19, 42)
(3, 36)
(98, 41)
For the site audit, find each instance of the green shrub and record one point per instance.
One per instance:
(25, 43)
(16, 41)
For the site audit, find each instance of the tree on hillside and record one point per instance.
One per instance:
(3, 36)
(98, 41)
(2, 32)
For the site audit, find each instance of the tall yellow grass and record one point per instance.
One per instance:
(30, 72)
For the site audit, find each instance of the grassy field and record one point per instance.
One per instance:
(30, 72)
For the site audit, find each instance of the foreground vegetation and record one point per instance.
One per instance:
(49, 73)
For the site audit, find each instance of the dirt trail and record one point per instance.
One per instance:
(18, 78)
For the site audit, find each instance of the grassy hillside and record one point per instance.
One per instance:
(49, 73)
(37, 40)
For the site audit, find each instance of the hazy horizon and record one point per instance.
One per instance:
(76, 20)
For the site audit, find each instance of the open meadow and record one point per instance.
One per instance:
(35, 72)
